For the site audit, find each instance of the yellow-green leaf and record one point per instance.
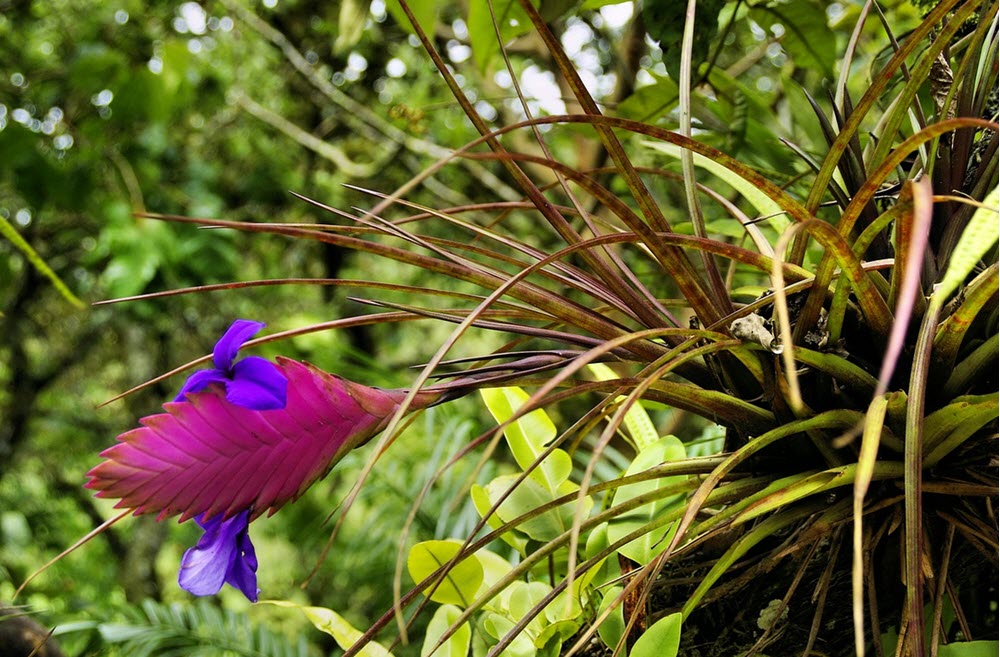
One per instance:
(637, 421)
(979, 236)
(662, 639)
(763, 203)
(457, 645)
(645, 548)
(460, 583)
(329, 621)
(528, 436)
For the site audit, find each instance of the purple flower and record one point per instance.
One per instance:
(252, 382)
(239, 441)
(205, 455)
(224, 555)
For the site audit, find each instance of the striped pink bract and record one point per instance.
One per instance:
(206, 455)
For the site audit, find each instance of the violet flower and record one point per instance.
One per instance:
(224, 555)
(225, 452)
(252, 382)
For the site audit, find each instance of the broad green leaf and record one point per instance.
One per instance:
(558, 610)
(650, 102)
(645, 548)
(482, 500)
(591, 5)
(329, 621)
(764, 204)
(662, 639)
(979, 236)
(497, 625)
(457, 645)
(613, 627)
(528, 496)
(462, 581)
(665, 23)
(495, 568)
(524, 596)
(609, 570)
(528, 436)
(637, 421)
(550, 640)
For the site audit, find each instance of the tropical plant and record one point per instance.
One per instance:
(828, 298)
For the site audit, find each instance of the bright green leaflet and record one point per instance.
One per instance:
(329, 621)
(645, 548)
(457, 645)
(662, 639)
(462, 581)
(528, 436)
(979, 236)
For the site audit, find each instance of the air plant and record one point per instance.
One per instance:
(857, 390)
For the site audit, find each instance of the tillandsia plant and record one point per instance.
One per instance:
(837, 321)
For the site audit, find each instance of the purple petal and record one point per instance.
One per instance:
(257, 384)
(203, 567)
(231, 341)
(224, 554)
(242, 573)
(199, 381)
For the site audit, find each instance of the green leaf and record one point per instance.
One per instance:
(96, 67)
(482, 500)
(970, 649)
(425, 11)
(511, 18)
(665, 23)
(495, 568)
(528, 436)
(329, 621)
(979, 236)
(497, 625)
(645, 548)
(966, 420)
(650, 102)
(568, 605)
(613, 627)
(462, 581)
(524, 596)
(591, 5)
(764, 204)
(457, 645)
(549, 641)
(528, 496)
(663, 639)
(637, 421)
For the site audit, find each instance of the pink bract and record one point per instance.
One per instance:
(206, 455)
